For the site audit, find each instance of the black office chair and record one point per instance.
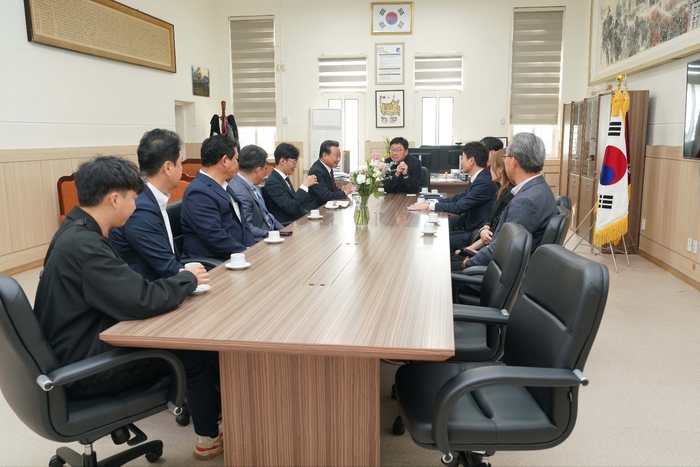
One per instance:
(33, 384)
(528, 400)
(563, 201)
(174, 210)
(425, 178)
(558, 226)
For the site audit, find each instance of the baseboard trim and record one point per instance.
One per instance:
(23, 260)
(669, 268)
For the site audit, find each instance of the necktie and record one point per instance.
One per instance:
(333, 187)
(269, 219)
(289, 182)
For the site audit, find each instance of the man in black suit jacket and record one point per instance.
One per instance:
(325, 190)
(474, 202)
(405, 175)
(212, 221)
(286, 204)
(145, 242)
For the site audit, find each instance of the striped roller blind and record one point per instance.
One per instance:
(253, 70)
(438, 72)
(342, 73)
(536, 67)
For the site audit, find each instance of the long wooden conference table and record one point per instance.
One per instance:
(301, 332)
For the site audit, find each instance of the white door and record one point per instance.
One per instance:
(353, 105)
(438, 115)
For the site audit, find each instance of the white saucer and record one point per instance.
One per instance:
(201, 289)
(332, 207)
(437, 222)
(242, 266)
(428, 233)
(279, 240)
(315, 218)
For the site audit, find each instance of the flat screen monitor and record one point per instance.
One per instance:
(429, 156)
(691, 141)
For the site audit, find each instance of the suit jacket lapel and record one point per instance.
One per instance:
(152, 199)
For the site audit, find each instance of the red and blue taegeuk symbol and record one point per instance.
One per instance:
(391, 18)
(614, 166)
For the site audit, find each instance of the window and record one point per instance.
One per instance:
(436, 78)
(253, 80)
(437, 114)
(438, 72)
(548, 134)
(352, 105)
(342, 73)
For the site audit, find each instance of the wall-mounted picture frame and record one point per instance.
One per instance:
(200, 81)
(390, 108)
(630, 37)
(390, 63)
(391, 18)
(504, 139)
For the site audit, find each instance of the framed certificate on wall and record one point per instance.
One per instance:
(392, 18)
(390, 63)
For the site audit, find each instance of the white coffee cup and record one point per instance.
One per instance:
(424, 190)
(237, 259)
(273, 235)
(433, 217)
(428, 227)
(315, 213)
(434, 190)
(192, 265)
(331, 204)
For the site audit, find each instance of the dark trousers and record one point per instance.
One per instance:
(201, 368)
(459, 240)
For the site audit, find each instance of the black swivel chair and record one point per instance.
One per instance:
(33, 384)
(558, 226)
(174, 210)
(425, 178)
(563, 201)
(528, 400)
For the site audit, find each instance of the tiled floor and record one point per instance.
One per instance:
(642, 406)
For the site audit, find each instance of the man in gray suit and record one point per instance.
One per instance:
(252, 162)
(533, 202)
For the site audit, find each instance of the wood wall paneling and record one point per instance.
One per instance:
(5, 227)
(30, 210)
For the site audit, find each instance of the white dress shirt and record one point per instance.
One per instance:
(162, 200)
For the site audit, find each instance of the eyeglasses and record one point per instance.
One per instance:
(507, 156)
(395, 150)
(293, 161)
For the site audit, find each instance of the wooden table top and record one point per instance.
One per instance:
(329, 289)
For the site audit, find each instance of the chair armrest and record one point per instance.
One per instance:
(208, 263)
(474, 271)
(460, 278)
(479, 314)
(497, 375)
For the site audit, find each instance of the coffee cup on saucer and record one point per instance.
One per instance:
(433, 217)
(192, 265)
(429, 228)
(238, 260)
(424, 190)
(435, 191)
(315, 214)
(273, 235)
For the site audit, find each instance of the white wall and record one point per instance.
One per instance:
(481, 30)
(51, 97)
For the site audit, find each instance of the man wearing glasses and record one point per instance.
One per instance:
(405, 175)
(281, 199)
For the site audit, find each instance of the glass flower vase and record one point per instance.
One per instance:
(362, 211)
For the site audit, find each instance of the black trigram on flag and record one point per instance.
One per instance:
(615, 128)
(400, 25)
(382, 25)
(605, 201)
(382, 12)
(401, 12)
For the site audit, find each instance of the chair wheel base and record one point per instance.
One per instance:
(56, 461)
(398, 428)
(183, 419)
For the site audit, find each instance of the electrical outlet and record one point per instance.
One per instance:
(695, 247)
(690, 244)
(644, 224)
(285, 120)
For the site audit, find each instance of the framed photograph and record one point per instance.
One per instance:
(628, 37)
(390, 63)
(391, 18)
(390, 109)
(200, 81)
(504, 139)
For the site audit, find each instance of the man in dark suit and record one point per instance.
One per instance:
(474, 202)
(405, 175)
(212, 220)
(325, 190)
(145, 242)
(533, 203)
(283, 202)
(252, 162)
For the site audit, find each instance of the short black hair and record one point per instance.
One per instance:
(399, 140)
(102, 175)
(326, 147)
(214, 147)
(156, 148)
(478, 151)
(251, 157)
(492, 143)
(286, 151)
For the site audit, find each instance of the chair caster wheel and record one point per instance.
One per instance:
(183, 419)
(56, 461)
(393, 391)
(398, 428)
(454, 462)
(153, 456)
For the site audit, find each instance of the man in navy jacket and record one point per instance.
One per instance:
(212, 220)
(325, 190)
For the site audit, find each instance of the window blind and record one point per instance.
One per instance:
(536, 67)
(438, 72)
(253, 71)
(342, 73)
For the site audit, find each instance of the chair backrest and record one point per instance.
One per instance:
(67, 195)
(174, 210)
(563, 201)
(555, 320)
(558, 226)
(177, 192)
(425, 178)
(191, 166)
(505, 271)
(26, 355)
